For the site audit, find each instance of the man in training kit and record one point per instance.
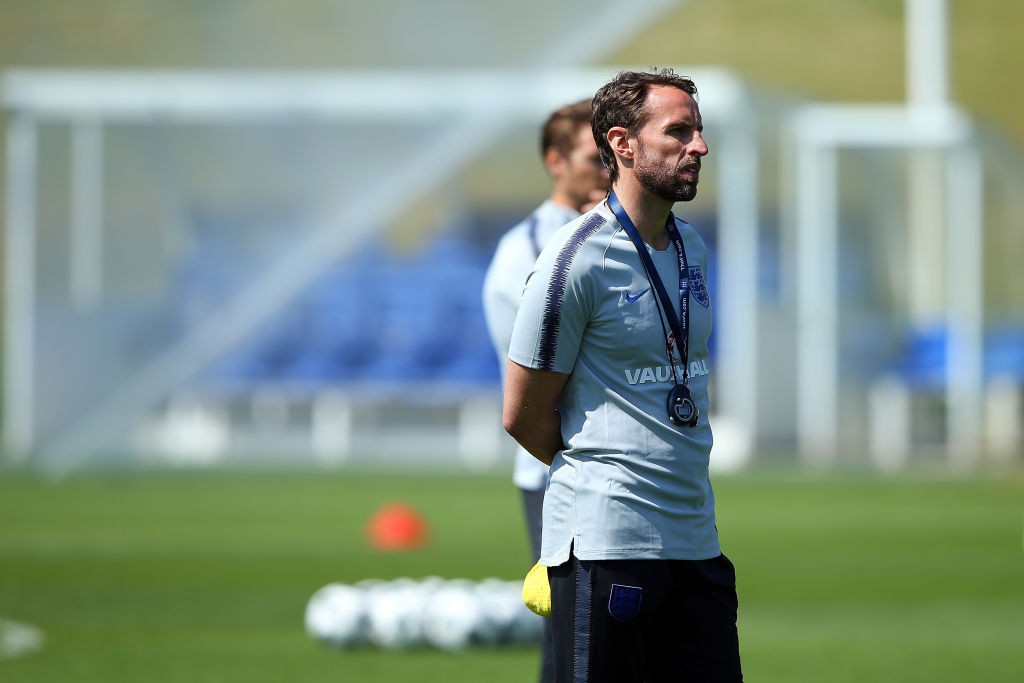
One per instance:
(578, 181)
(607, 382)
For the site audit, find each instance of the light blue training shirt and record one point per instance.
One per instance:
(512, 262)
(630, 484)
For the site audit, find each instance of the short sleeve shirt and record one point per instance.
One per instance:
(512, 262)
(630, 484)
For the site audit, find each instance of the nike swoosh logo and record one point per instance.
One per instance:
(632, 299)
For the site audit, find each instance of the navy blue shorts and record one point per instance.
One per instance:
(651, 621)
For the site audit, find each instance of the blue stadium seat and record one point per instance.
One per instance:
(920, 368)
(263, 359)
(921, 363)
(380, 318)
(338, 330)
(1004, 352)
(469, 357)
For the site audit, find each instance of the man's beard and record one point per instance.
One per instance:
(661, 182)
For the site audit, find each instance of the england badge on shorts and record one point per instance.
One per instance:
(698, 288)
(624, 601)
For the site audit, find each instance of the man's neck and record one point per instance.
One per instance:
(563, 200)
(648, 212)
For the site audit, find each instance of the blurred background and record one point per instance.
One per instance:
(243, 231)
(252, 234)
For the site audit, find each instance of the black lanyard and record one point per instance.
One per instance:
(678, 324)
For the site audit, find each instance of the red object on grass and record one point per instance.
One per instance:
(396, 526)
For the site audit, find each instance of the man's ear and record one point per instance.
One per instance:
(553, 161)
(618, 139)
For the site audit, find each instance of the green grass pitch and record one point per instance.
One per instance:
(203, 576)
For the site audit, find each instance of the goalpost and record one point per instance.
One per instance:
(92, 344)
(944, 274)
(454, 116)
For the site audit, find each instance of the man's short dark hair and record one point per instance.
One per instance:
(620, 102)
(562, 127)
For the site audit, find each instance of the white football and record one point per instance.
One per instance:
(394, 614)
(499, 606)
(336, 615)
(452, 615)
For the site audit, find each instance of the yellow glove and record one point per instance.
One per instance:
(537, 591)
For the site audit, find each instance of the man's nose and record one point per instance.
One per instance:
(699, 147)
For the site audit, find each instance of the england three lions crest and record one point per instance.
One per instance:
(624, 601)
(698, 288)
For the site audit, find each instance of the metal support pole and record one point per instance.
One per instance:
(738, 285)
(965, 301)
(817, 305)
(927, 43)
(86, 214)
(20, 284)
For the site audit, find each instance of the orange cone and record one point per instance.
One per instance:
(396, 526)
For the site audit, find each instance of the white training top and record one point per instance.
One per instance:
(513, 260)
(630, 484)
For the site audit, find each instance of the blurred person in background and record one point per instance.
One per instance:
(578, 181)
(607, 382)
